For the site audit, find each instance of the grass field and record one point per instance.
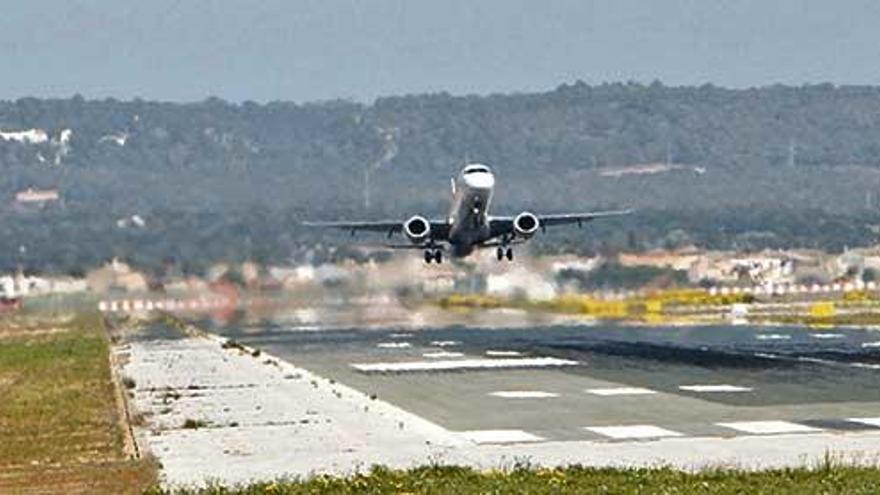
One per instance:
(456, 480)
(60, 424)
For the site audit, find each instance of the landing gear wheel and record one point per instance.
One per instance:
(438, 256)
(509, 254)
(499, 253)
(428, 256)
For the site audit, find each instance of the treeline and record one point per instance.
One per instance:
(776, 166)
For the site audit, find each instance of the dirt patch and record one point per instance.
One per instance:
(30, 332)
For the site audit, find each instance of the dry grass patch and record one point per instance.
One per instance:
(60, 427)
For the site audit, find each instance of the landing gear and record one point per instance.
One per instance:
(503, 252)
(435, 255)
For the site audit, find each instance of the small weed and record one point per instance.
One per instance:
(169, 396)
(232, 344)
(194, 424)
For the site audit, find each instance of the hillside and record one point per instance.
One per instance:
(775, 166)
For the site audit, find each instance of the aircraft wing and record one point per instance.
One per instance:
(439, 228)
(578, 218)
(504, 225)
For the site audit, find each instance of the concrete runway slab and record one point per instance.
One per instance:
(695, 382)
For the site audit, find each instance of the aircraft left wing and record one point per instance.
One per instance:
(578, 218)
(504, 225)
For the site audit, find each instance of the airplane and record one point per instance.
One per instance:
(469, 225)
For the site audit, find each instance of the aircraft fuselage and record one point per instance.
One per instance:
(469, 216)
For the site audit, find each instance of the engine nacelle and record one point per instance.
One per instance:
(526, 224)
(417, 229)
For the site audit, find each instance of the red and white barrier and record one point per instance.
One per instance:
(148, 305)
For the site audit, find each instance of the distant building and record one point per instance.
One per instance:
(116, 275)
(680, 259)
(19, 285)
(37, 196)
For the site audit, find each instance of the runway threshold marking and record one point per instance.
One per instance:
(772, 336)
(495, 353)
(714, 388)
(612, 391)
(523, 394)
(633, 431)
(393, 345)
(463, 364)
(769, 427)
(442, 354)
(445, 343)
(870, 366)
(501, 436)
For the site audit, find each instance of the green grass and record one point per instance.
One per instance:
(828, 478)
(60, 423)
(59, 386)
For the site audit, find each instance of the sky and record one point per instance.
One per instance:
(308, 50)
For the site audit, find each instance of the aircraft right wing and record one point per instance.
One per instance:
(388, 226)
(439, 228)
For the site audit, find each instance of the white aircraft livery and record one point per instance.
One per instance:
(469, 225)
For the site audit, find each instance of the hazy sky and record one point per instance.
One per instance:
(305, 50)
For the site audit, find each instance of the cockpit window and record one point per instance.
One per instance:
(473, 170)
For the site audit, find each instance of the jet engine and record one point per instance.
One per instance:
(525, 224)
(417, 229)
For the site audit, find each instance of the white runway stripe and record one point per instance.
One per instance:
(768, 427)
(772, 336)
(503, 353)
(463, 364)
(870, 366)
(400, 335)
(523, 394)
(445, 343)
(714, 388)
(866, 421)
(870, 344)
(501, 436)
(633, 431)
(609, 391)
(827, 335)
(442, 354)
(393, 345)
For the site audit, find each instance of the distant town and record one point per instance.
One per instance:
(769, 271)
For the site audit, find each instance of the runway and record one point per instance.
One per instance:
(535, 382)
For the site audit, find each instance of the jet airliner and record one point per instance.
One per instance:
(469, 225)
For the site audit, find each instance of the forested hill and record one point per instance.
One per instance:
(240, 171)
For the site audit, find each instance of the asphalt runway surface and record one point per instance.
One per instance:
(525, 380)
